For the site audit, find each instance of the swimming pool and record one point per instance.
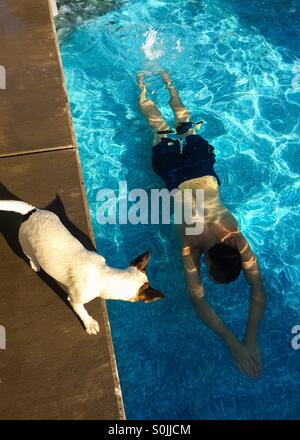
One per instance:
(237, 67)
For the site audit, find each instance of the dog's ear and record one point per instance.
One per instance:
(148, 294)
(141, 261)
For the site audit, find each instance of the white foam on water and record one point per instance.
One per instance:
(178, 47)
(148, 47)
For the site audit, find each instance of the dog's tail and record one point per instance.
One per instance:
(16, 206)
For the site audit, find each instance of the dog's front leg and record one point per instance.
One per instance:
(91, 325)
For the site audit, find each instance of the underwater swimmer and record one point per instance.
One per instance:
(188, 163)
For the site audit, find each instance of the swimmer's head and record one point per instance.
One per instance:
(224, 263)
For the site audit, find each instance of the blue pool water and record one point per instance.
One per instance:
(237, 67)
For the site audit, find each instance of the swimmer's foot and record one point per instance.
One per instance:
(141, 83)
(142, 86)
(166, 78)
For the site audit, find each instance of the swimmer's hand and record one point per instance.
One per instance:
(254, 349)
(247, 358)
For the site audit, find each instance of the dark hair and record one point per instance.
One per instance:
(226, 263)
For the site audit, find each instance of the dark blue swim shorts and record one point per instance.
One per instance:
(174, 166)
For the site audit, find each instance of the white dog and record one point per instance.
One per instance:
(82, 273)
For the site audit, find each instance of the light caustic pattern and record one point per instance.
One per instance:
(237, 71)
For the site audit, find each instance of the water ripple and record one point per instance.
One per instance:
(237, 74)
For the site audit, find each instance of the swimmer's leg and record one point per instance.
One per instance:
(150, 111)
(179, 110)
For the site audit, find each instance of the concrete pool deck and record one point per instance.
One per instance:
(50, 368)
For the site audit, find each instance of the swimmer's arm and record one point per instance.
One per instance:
(243, 355)
(190, 261)
(258, 297)
(258, 300)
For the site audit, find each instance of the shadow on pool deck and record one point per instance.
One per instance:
(51, 368)
(10, 223)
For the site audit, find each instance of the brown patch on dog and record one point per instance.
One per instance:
(148, 294)
(141, 261)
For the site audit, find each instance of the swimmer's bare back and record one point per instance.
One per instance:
(219, 224)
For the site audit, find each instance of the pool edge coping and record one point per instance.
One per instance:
(113, 362)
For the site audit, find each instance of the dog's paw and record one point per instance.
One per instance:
(92, 327)
(34, 266)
